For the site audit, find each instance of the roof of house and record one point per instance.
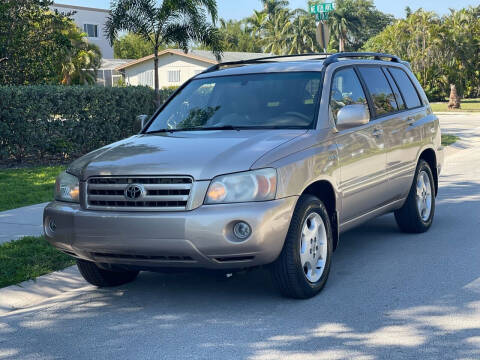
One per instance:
(201, 55)
(75, 7)
(111, 64)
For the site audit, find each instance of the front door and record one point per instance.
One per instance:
(361, 150)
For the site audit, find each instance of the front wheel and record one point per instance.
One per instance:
(302, 268)
(104, 278)
(416, 215)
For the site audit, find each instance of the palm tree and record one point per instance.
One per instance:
(343, 22)
(82, 60)
(256, 22)
(277, 29)
(270, 7)
(301, 38)
(166, 22)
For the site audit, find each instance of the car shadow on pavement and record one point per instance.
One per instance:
(390, 295)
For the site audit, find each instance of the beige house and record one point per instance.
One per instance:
(175, 66)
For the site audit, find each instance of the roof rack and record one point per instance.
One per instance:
(262, 60)
(376, 56)
(327, 57)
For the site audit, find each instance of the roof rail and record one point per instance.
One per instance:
(261, 60)
(327, 57)
(376, 56)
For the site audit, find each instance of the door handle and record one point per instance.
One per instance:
(410, 121)
(377, 132)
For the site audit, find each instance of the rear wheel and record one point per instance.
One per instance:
(416, 215)
(302, 268)
(104, 278)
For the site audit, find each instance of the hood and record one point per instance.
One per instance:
(200, 154)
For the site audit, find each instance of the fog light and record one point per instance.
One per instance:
(52, 225)
(242, 230)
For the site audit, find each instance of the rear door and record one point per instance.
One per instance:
(361, 150)
(403, 133)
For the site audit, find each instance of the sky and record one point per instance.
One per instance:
(238, 9)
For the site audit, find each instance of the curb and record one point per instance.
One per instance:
(33, 292)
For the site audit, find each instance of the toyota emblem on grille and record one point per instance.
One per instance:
(134, 191)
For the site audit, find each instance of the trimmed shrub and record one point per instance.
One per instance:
(50, 123)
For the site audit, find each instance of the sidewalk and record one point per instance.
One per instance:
(24, 221)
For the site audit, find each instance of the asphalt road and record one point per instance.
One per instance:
(389, 296)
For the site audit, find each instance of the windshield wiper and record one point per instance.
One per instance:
(226, 127)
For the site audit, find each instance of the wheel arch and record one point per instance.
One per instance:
(430, 157)
(325, 191)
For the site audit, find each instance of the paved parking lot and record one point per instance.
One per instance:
(389, 296)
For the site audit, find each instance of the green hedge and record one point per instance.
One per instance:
(44, 124)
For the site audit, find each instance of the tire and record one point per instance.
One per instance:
(288, 272)
(104, 278)
(410, 217)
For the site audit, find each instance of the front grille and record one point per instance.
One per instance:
(159, 193)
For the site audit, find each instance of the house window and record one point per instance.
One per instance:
(174, 76)
(146, 78)
(91, 30)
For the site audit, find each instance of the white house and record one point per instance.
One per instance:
(175, 66)
(91, 21)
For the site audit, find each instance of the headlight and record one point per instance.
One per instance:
(256, 185)
(66, 187)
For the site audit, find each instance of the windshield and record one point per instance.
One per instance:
(275, 100)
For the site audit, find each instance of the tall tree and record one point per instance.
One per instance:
(442, 50)
(131, 46)
(270, 7)
(238, 36)
(301, 37)
(37, 42)
(82, 61)
(277, 29)
(165, 22)
(343, 22)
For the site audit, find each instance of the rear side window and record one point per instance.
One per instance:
(396, 92)
(406, 87)
(382, 96)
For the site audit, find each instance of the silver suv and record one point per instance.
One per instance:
(260, 162)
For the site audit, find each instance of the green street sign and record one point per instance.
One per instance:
(321, 16)
(319, 8)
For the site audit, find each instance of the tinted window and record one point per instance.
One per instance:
(396, 92)
(380, 91)
(406, 87)
(276, 100)
(346, 90)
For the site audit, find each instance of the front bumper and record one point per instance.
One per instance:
(199, 238)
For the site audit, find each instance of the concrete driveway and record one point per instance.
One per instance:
(389, 296)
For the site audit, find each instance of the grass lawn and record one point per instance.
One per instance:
(29, 258)
(448, 139)
(27, 186)
(466, 105)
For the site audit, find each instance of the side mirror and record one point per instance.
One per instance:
(142, 120)
(352, 115)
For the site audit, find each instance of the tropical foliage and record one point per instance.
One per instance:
(132, 46)
(441, 50)
(40, 46)
(280, 30)
(167, 22)
(353, 22)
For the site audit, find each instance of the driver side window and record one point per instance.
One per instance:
(346, 89)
